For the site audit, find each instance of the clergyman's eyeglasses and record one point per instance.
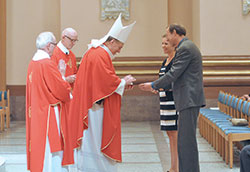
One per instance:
(72, 40)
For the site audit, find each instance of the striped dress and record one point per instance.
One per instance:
(168, 114)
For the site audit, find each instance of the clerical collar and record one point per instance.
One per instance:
(63, 48)
(40, 55)
(109, 52)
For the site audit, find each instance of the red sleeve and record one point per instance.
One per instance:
(54, 56)
(106, 81)
(28, 121)
(74, 65)
(57, 86)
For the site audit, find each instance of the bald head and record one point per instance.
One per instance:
(69, 31)
(69, 37)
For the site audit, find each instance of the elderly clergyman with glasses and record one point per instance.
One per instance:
(63, 54)
(47, 143)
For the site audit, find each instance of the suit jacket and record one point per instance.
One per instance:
(186, 76)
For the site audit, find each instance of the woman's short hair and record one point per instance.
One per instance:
(44, 39)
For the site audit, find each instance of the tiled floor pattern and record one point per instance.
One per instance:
(144, 149)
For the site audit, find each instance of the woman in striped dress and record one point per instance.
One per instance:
(168, 114)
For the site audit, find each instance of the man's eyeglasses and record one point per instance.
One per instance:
(53, 43)
(72, 40)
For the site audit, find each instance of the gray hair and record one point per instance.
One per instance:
(44, 39)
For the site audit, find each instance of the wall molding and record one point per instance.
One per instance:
(17, 90)
(220, 71)
(228, 73)
(2, 44)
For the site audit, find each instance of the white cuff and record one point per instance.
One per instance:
(121, 87)
(71, 96)
(63, 77)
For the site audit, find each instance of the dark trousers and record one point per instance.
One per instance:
(187, 143)
(245, 159)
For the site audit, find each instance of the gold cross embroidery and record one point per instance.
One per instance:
(30, 112)
(69, 63)
(30, 77)
(30, 146)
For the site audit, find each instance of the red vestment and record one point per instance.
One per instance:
(69, 59)
(46, 89)
(96, 80)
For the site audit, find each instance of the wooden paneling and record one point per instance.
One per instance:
(229, 74)
(213, 91)
(17, 90)
(220, 73)
(2, 44)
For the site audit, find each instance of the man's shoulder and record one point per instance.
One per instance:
(41, 61)
(99, 51)
(47, 63)
(58, 51)
(188, 45)
(37, 65)
(97, 56)
(72, 55)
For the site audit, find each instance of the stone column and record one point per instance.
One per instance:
(180, 12)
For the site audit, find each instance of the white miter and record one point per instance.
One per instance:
(117, 31)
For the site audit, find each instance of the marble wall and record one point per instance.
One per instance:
(140, 108)
(17, 108)
(134, 108)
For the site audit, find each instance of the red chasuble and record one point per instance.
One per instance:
(96, 80)
(69, 59)
(46, 89)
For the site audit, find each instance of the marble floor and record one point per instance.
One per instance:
(144, 149)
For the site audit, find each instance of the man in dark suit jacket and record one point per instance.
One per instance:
(245, 159)
(187, 78)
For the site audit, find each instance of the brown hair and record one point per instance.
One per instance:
(180, 30)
